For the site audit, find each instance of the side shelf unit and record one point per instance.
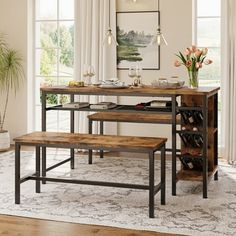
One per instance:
(199, 139)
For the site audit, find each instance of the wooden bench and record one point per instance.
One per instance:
(101, 117)
(96, 142)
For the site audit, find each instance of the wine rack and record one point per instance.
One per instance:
(198, 138)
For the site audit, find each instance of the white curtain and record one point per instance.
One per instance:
(229, 80)
(91, 26)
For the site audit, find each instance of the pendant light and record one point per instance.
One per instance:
(159, 38)
(109, 38)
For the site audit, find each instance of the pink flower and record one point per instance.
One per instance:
(193, 48)
(198, 53)
(177, 63)
(208, 62)
(188, 63)
(198, 65)
(187, 52)
(204, 51)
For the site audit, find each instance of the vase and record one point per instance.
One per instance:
(193, 79)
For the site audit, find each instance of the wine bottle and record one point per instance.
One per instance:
(198, 163)
(190, 140)
(198, 117)
(190, 117)
(184, 117)
(183, 138)
(189, 162)
(198, 140)
(186, 162)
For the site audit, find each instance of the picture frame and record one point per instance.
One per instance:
(134, 37)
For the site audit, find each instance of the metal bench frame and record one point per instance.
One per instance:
(38, 176)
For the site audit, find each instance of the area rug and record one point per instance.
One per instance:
(187, 213)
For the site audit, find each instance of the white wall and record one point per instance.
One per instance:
(176, 25)
(13, 23)
(176, 21)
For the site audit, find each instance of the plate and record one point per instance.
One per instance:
(110, 86)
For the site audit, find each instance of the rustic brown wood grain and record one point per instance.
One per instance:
(20, 226)
(191, 175)
(145, 91)
(92, 141)
(133, 117)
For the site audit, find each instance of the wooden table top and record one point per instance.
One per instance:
(91, 141)
(144, 91)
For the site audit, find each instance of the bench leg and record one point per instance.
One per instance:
(72, 158)
(90, 151)
(37, 172)
(163, 176)
(151, 185)
(44, 164)
(101, 133)
(17, 173)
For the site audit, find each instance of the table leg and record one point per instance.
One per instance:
(216, 134)
(37, 168)
(151, 185)
(72, 130)
(205, 145)
(101, 133)
(174, 145)
(44, 127)
(90, 151)
(17, 173)
(163, 175)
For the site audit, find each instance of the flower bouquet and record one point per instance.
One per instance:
(193, 59)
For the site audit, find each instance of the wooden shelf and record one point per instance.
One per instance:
(189, 175)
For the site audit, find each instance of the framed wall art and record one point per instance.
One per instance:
(135, 31)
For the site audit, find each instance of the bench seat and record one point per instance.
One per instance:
(159, 118)
(135, 117)
(42, 140)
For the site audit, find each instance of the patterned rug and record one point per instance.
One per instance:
(187, 213)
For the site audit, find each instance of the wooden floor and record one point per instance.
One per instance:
(20, 226)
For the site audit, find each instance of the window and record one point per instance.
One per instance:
(208, 34)
(54, 55)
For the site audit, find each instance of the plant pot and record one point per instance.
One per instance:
(4, 140)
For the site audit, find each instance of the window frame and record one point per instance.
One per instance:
(37, 77)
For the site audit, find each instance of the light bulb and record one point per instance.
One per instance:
(159, 39)
(109, 37)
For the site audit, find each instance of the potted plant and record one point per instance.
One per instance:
(11, 76)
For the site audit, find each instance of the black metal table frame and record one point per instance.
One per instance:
(37, 176)
(174, 109)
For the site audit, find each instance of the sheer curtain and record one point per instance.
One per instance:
(91, 25)
(229, 81)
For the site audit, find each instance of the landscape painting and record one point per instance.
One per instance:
(135, 31)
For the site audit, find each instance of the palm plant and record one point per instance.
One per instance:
(11, 76)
